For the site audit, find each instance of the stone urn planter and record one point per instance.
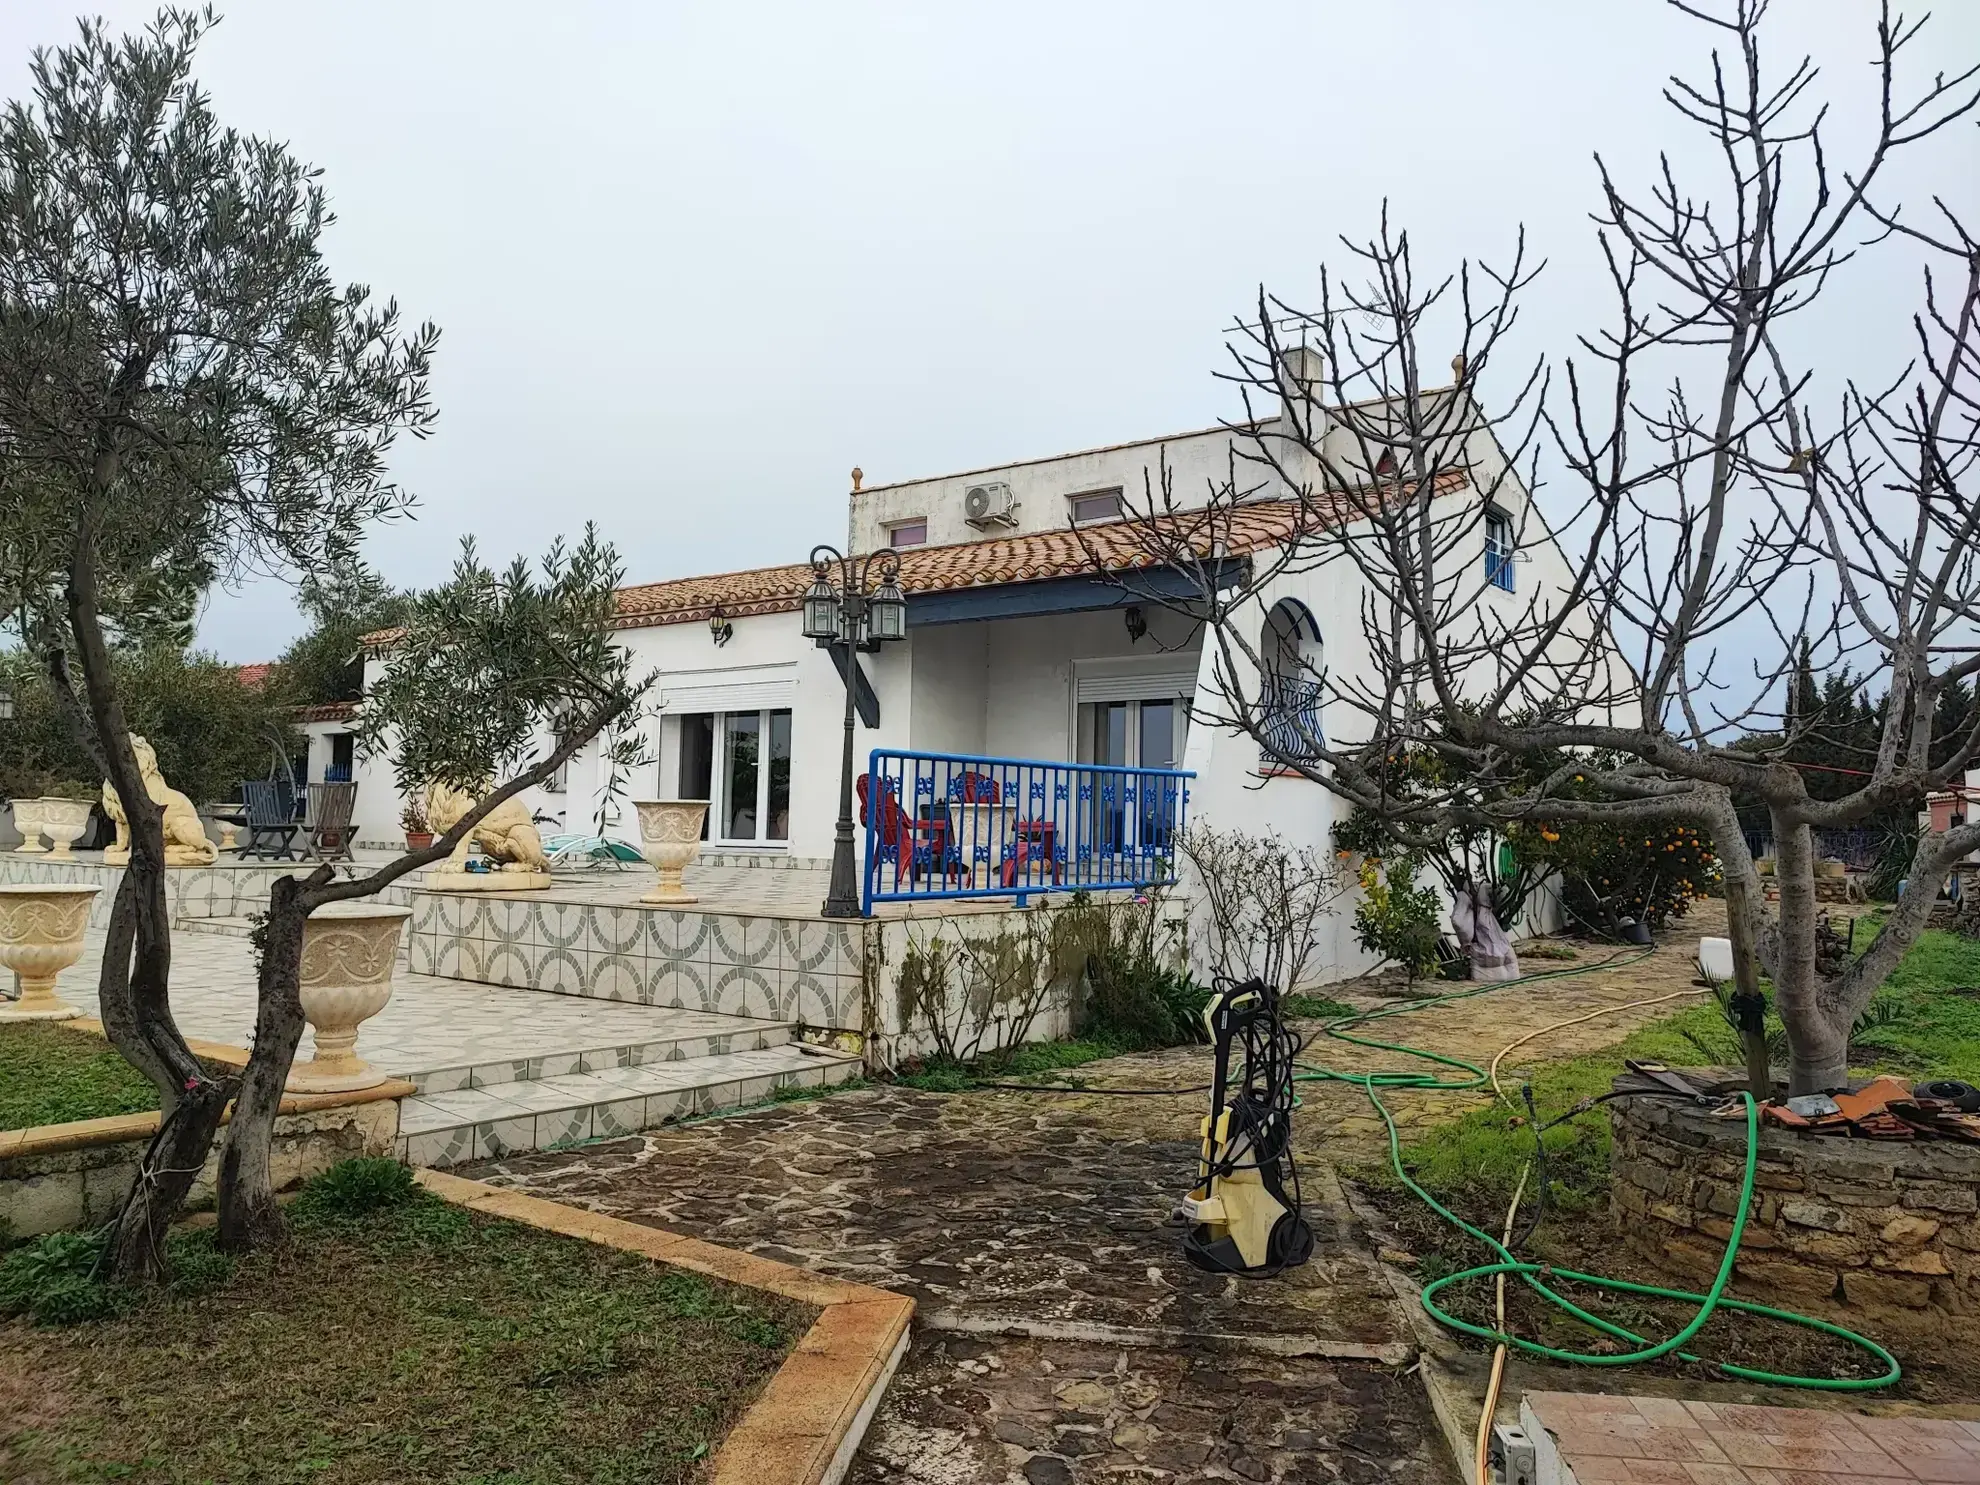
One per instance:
(670, 832)
(63, 821)
(349, 952)
(27, 820)
(41, 934)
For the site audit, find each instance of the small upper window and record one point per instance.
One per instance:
(908, 533)
(1499, 549)
(1096, 505)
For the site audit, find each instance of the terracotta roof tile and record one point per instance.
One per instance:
(326, 711)
(1123, 546)
(255, 676)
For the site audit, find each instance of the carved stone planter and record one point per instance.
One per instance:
(349, 951)
(670, 832)
(63, 821)
(41, 934)
(27, 820)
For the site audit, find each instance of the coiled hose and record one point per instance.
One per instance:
(1536, 1276)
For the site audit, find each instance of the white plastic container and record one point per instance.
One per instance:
(1715, 959)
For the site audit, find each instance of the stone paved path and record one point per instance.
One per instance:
(1060, 1336)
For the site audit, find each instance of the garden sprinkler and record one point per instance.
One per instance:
(1244, 1214)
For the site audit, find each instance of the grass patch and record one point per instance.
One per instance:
(1314, 1008)
(1030, 1060)
(396, 1339)
(50, 1074)
(805, 1092)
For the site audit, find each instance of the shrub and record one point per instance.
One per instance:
(355, 1188)
(1397, 918)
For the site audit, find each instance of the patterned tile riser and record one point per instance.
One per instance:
(190, 891)
(534, 1069)
(608, 1119)
(779, 969)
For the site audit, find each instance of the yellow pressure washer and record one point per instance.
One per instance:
(1244, 1215)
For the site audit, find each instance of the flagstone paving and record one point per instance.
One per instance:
(1060, 1335)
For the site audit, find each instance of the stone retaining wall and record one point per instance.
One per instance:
(63, 1176)
(1876, 1225)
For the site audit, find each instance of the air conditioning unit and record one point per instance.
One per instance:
(989, 505)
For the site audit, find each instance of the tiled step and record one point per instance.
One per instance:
(225, 927)
(731, 1034)
(442, 1129)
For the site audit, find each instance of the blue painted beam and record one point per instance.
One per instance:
(865, 702)
(1067, 595)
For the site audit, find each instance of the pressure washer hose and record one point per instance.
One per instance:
(1536, 1276)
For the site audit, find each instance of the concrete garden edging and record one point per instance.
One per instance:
(808, 1423)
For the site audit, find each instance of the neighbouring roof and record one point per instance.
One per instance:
(326, 711)
(1119, 546)
(255, 676)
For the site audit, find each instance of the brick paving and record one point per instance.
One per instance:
(1663, 1441)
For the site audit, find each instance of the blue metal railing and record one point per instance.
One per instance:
(1291, 714)
(1498, 564)
(955, 825)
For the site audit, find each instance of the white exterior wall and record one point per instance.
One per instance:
(1041, 487)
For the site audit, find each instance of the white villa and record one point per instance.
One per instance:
(1035, 727)
(1014, 650)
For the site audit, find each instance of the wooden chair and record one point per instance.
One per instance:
(329, 821)
(269, 809)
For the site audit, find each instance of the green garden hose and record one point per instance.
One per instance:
(1534, 1275)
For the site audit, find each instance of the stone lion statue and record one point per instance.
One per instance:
(185, 838)
(505, 834)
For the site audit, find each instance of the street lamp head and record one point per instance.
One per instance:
(821, 610)
(886, 612)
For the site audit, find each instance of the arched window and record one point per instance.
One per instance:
(1294, 663)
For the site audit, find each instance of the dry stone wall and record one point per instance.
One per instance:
(1876, 1225)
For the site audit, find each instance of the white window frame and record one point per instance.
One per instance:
(892, 527)
(718, 782)
(1501, 541)
(1116, 493)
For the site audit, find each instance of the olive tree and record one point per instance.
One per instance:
(493, 676)
(1726, 496)
(185, 388)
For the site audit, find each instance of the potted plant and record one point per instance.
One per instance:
(412, 819)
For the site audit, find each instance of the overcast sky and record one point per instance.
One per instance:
(694, 262)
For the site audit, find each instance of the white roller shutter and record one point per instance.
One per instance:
(758, 689)
(1144, 683)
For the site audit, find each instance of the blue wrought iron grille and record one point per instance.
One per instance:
(953, 825)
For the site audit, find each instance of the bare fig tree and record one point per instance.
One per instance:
(1618, 644)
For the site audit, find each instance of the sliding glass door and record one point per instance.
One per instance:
(1130, 734)
(740, 762)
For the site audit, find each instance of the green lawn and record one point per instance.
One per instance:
(50, 1074)
(411, 1343)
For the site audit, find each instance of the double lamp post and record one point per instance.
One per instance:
(864, 611)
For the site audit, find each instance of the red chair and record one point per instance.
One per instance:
(919, 845)
(1034, 838)
(976, 788)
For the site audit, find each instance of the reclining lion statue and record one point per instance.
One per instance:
(185, 838)
(505, 834)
